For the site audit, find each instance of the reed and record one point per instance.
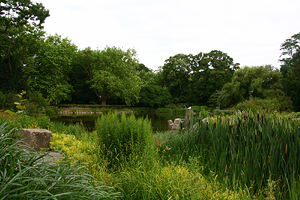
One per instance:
(250, 148)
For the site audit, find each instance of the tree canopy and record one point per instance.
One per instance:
(260, 82)
(290, 68)
(194, 78)
(20, 30)
(112, 73)
(49, 71)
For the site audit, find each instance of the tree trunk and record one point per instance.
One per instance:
(103, 101)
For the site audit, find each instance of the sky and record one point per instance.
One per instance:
(250, 32)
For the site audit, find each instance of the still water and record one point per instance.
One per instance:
(159, 121)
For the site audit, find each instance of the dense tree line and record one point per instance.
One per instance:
(54, 67)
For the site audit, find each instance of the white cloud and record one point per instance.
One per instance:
(249, 31)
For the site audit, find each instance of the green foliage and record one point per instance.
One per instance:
(262, 82)
(25, 176)
(122, 137)
(49, 71)
(256, 104)
(36, 105)
(2, 100)
(194, 78)
(290, 68)
(8, 100)
(154, 96)
(112, 73)
(249, 149)
(21, 29)
(223, 112)
(163, 110)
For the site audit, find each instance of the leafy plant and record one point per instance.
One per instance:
(123, 136)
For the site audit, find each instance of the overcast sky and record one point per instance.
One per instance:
(250, 32)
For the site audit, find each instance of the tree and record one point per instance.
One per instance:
(210, 71)
(49, 72)
(290, 68)
(175, 74)
(113, 73)
(154, 96)
(20, 30)
(262, 82)
(81, 75)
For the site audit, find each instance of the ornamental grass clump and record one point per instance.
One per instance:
(122, 137)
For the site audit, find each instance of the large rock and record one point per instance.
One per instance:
(37, 138)
(176, 125)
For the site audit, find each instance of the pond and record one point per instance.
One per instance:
(159, 121)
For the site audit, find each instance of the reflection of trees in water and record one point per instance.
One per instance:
(159, 121)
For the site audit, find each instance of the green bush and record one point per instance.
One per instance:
(163, 110)
(36, 105)
(256, 104)
(223, 112)
(123, 136)
(25, 176)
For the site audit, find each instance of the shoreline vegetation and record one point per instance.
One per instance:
(246, 155)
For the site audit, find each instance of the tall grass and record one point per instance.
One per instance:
(122, 136)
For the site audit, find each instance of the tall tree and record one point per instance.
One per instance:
(113, 73)
(290, 68)
(49, 72)
(81, 75)
(20, 30)
(210, 71)
(175, 74)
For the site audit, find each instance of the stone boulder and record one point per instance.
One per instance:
(176, 124)
(37, 138)
(170, 124)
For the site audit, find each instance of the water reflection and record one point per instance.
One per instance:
(158, 120)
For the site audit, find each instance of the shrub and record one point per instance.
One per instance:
(36, 105)
(256, 104)
(163, 110)
(123, 136)
(223, 112)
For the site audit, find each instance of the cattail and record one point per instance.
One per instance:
(255, 139)
(245, 141)
(230, 130)
(285, 156)
(257, 116)
(260, 134)
(268, 159)
(293, 137)
(215, 125)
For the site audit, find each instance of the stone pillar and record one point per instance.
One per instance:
(37, 138)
